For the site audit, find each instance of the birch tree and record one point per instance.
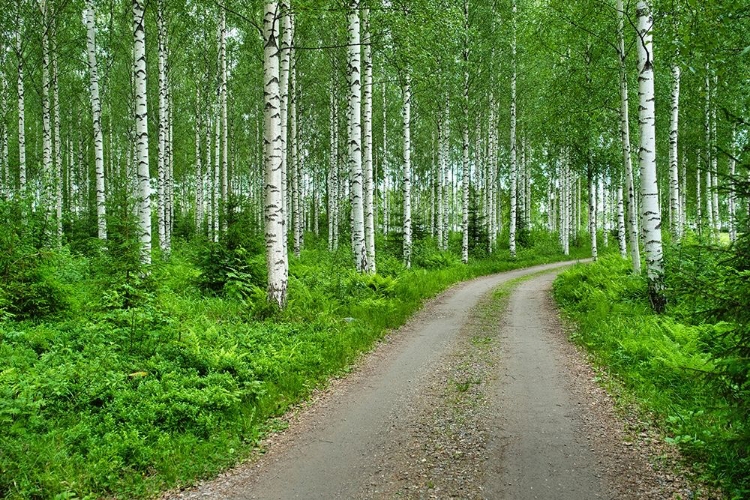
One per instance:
(513, 165)
(369, 191)
(651, 210)
(465, 176)
(635, 253)
(273, 145)
(163, 129)
(355, 137)
(96, 111)
(406, 115)
(21, 112)
(141, 132)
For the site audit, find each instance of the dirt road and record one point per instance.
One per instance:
(470, 399)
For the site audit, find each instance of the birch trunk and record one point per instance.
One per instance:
(698, 200)
(162, 140)
(406, 113)
(354, 71)
(273, 145)
(715, 215)
(333, 182)
(5, 166)
(733, 187)
(440, 175)
(367, 137)
(199, 217)
(224, 212)
(447, 184)
(513, 166)
(386, 169)
(674, 177)
(632, 220)
(57, 148)
(215, 208)
(141, 130)
(651, 211)
(621, 236)
(47, 174)
(294, 163)
(96, 109)
(592, 215)
(465, 176)
(285, 51)
(21, 115)
(709, 151)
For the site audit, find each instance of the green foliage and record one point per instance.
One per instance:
(155, 379)
(674, 365)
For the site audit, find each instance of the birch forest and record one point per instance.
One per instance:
(208, 209)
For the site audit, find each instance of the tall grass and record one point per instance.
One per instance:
(664, 363)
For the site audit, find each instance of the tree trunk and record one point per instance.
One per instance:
(285, 61)
(47, 174)
(592, 212)
(294, 166)
(621, 233)
(141, 131)
(224, 212)
(651, 210)
(333, 182)
(465, 176)
(406, 113)
(367, 136)
(163, 129)
(674, 177)
(355, 138)
(21, 115)
(715, 214)
(96, 109)
(199, 217)
(513, 165)
(273, 145)
(632, 220)
(733, 187)
(57, 147)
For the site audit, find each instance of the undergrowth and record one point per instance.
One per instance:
(682, 367)
(119, 383)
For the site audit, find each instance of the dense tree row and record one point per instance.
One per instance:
(368, 117)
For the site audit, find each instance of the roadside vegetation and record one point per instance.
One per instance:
(688, 368)
(116, 382)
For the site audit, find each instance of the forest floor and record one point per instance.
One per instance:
(479, 395)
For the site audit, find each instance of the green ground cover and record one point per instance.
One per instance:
(118, 385)
(688, 368)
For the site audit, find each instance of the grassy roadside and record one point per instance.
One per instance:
(664, 364)
(147, 384)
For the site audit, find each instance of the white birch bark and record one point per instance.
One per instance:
(273, 145)
(369, 210)
(96, 110)
(674, 174)
(605, 211)
(162, 129)
(199, 216)
(465, 176)
(141, 131)
(698, 200)
(715, 214)
(447, 184)
(21, 114)
(216, 206)
(47, 174)
(285, 60)
(406, 114)
(209, 178)
(621, 233)
(354, 70)
(733, 187)
(224, 212)
(592, 215)
(294, 164)
(632, 220)
(650, 211)
(385, 167)
(513, 165)
(709, 151)
(333, 178)
(440, 179)
(57, 147)
(7, 183)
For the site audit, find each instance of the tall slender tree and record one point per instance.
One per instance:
(651, 210)
(141, 131)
